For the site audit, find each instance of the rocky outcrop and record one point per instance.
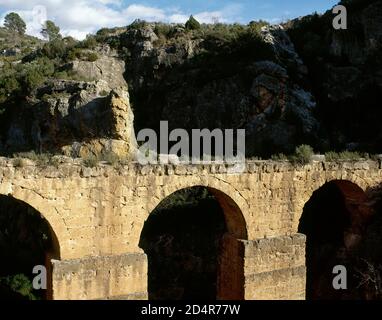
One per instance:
(117, 129)
(107, 68)
(207, 83)
(95, 124)
(345, 74)
(79, 118)
(302, 83)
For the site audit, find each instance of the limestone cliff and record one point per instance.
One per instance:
(300, 83)
(345, 73)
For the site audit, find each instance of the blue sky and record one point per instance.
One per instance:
(80, 17)
(247, 10)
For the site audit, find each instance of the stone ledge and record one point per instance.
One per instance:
(274, 243)
(68, 167)
(280, 274)
(100, 277)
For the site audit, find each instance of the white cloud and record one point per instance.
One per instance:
(78, 18)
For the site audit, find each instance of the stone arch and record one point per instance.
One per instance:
(229, 198)
(49, 212)
(230, 273)
(41, 254)
(313, 186)
(334, 220)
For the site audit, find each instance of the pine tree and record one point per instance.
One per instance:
(14, 23)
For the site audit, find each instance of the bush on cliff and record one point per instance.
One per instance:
(192, 24)
(303, 155)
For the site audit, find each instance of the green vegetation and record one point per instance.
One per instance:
(104, 93)
(345, 155)
(19, 284)
(24, 78)
(89, 43)
(192, 24)
(92, 56)
(55, 49)
(279, 157)
(91, 161)
(303, 155)
(25, 238)
(41, 159)
(50, 31)
(14, 23)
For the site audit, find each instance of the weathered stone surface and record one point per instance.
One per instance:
(107, 68)
(277, 263)
(108, 277)
(100, 212)
(345, 74)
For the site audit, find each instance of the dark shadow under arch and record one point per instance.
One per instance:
(334, 221)
(26, 240)
(192, 240)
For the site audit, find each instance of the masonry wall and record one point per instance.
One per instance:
(100, 212)
(275, 268)
(122, 277)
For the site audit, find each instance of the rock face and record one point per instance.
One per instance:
(107, 68)
(78, 117)
(115, 135)
(254, 87)
(345, 73)
(284, 112)
(302, 83)
(102, 124)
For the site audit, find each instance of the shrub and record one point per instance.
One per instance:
(9, 84)
(41, 159)
(35, 73)
(331, 156)
(255, 26)
(73, 54)
(303, 155)
(192, 24)
(104, 93)
(32, 79)
(345, 155)
(54, 161)
(92, 56)
(137, 24)
(89, 43)
(61, 75)
(279, 157)
(90, 161)
(163, 30)
(20, 284)
(55, 49)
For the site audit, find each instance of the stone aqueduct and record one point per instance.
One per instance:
(97, 215)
